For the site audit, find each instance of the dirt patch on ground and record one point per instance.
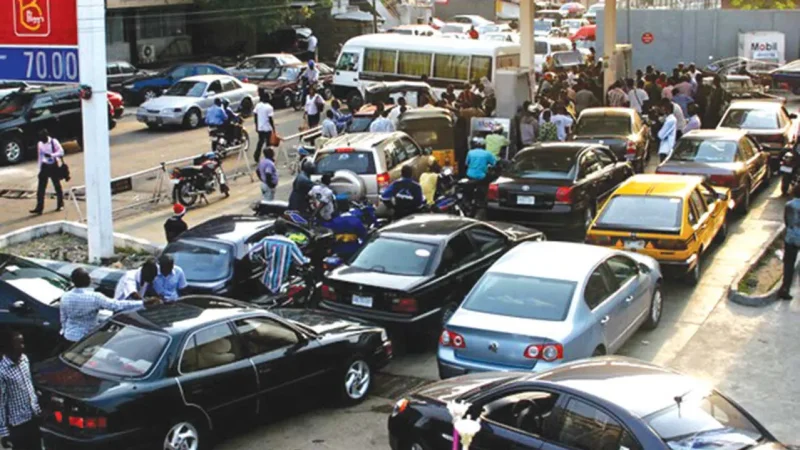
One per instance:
(70, 248)
(767, 273)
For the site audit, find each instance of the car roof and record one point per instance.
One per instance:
(659, 185)
(359, 140)
(229, 228)
(756, 104)
(187, 314)
(637, 386)
(572, 147)
(606, 111)
(427, 227)
(428, 113)
(728, 133)
(566, 261)
(208, 78)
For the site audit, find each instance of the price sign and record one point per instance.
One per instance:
(40, 42)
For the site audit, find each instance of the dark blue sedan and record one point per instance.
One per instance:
(150, 87)
(608, 403)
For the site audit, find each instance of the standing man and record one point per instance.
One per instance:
(134, 283)
(19, 407)
(279, 253)
(312, 47)
(301, 186)
(584, 98)
(175, 225)
(268, 174)
(668, 130)
(404, 195)
(382, 123)
(329, 129)
(170, 280)
(264, 124)
(79, 307)
(791, 243)
(637, 96)
(50, 152)
(314, 106)
(616, 96)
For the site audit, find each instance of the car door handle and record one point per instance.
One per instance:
(197, 390)
(263, 370)
(628, 299)
(604, 320)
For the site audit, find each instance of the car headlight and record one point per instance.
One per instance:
(400, 406)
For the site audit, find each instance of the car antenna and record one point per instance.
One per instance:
(678, 400)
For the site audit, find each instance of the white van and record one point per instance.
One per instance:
(391, 57)
(545, 46)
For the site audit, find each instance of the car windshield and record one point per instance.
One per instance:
(187, 89)
(591, 125)
(752, 119)
(738, 86)
(543, 164)
(707, 151)
(705, 422)
(542, 25)
(37, 282)
(202, 260)
(568, 58)
(521, 296)
(360, 163)
(117, 350)
(14, 103)
(360, 124)
(639, 212)
(394, 256)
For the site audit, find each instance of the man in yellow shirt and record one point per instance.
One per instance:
(429, 181)
(496, 141)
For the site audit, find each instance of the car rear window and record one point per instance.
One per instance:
(361, 163)
(603, 126)
(707, 151)
(521, 296)
(640, 212)
(394, 256)
(118, 350)
(543, 164)
(360, 124)
(751, 119)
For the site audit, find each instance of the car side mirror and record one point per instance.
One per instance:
(19, 306)
(427, 150)
(209, 94)
(643, 268)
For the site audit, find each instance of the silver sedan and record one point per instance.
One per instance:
(544, 303)
(186, 102)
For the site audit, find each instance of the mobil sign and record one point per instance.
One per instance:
(39, 41)
(768, 46)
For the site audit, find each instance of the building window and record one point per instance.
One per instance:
(451, 67)
(154, 23)
(379, 61)
(414, 63)
(115, 28)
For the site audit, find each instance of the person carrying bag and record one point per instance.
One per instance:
(50, 152)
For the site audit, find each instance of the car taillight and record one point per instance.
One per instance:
(630, 149)
(327, 292)
(494, 193)
(452, 339)
(88, 423)
(723, 180)
(245, 80)
(598, 240)
(670, 244)
(545, 352)
(59, 416)
(383, 180)
(345, 150)
(564, 194)
(400, 406)
(405, 305)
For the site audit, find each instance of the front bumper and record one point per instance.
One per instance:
(159, 118)
(137, 438)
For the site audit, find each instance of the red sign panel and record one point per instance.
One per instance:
(647, 38)
(39, 22)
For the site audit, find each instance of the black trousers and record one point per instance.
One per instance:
(26, 436)
(263, 140)
(313, 120)
(789, 260)
(48, 172)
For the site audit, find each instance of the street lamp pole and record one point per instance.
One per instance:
(97, 161)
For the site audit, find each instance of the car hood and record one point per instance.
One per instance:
(377, 279)
(464, 386)
(465, 319)
(275, 85)
(169, 101)
(61, 379)
(322, 322)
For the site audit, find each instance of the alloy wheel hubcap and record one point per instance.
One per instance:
(356, 380)
(182, 436)
(13, 151)
(657, 306)
(287, 100)
(194, 120)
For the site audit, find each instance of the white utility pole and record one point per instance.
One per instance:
(526, 18)
(609, 45)
(96, 158)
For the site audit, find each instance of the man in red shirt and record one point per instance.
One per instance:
(473, 33)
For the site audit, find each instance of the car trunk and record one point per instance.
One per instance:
(530, 193)
(698, 168)
(371, 291)
(617, 144)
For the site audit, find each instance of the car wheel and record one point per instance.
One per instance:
(744, 207)
(693, 277)
(186, 434)
(656, 308)
(192, 119)
(13, 150)
(355, 381)
(247, 107)
(288, 99)
(416, 445)
(149, 94)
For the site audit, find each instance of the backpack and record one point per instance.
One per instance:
(548, 132)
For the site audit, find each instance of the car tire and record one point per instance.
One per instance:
(693, 277)
(186, 433)
(13, 150)
(247, 107)
(354, 381)
(149, 94)
(192, 119)
(655, 311)
(415, 444)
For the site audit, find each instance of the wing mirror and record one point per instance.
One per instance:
(19, 306)
(643, 268)
(427, 150)
(209, 94)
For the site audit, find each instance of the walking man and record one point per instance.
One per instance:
(268, 174)
(668, 131)
(19, 407)
(791, 243)
(264, 124)
(50, 152)
(175, 225)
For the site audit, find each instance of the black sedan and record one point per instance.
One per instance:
(767, 122)
(415, 272)
(556, 186)
(620, 129)
(167, 377)
(602, 403)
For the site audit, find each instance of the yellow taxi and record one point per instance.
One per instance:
(672, 218)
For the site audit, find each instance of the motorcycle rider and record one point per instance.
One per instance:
(232, 131)
(479, 160)
(301, 187)
(310, 78)
(404, 195)
(216, 117)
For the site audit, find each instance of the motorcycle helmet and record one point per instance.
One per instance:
(308, 167)
(310, 63)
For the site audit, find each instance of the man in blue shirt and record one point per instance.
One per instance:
(348, 230)
(216, 116)
(791, 243)
(479, 160)
(404, 195)
(170, 279)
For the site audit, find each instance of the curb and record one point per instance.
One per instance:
(755, 301)
(75, 229)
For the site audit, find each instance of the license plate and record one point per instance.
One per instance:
(526, 200)
(786, 169)
(151, 119)
(362, 301)
(634, 245)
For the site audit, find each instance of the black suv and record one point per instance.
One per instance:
(23, 113)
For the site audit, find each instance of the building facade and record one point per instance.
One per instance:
(148, 31)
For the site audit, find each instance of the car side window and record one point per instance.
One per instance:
(126, 68)
(181, 72)
(43, 105)
(265, 63)
(530, 412)
(602, 157)
(348, 62)
(708, 194)
(112, 69)
(215, 87)
(589, 164)
(692, 213)
(228, 86)
(597, 288)
(399, 151)
(486, 240)
(260, 335)
(410, 147)
(699, 203)
(623, 268)
(210, 347)
(457, 252)
(588, 428)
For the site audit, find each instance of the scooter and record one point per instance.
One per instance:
(198, 180)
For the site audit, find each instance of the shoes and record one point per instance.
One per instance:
(59, 208)
(784, 296)
(38, 212)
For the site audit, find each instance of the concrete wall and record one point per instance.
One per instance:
(696, 35)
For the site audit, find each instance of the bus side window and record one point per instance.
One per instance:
(348, 62)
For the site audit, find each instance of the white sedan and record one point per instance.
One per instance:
(186, 102)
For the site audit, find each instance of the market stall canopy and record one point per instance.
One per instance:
(585, 33)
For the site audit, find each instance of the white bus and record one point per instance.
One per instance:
(391, 57)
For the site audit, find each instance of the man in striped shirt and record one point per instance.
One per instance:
(279, 252)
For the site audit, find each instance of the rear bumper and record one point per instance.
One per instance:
(382, 317)
(558, 218)
(451, 366)
(137, 438)
(678, 266)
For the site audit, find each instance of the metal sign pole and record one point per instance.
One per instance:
(92, 62)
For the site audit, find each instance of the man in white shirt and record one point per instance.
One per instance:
(382, 123)
(134, 283)
(637, 96)
(312, 46)
(329, 126)
(668, 131)
(264, 124)
(679, 117)
(394, 115)
(562, 121)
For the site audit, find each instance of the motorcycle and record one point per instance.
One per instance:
(303, 151)
(790, 176)
(199, 179)
(220, 144)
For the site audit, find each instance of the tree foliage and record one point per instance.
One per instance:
(763, 4)
(256, 14)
